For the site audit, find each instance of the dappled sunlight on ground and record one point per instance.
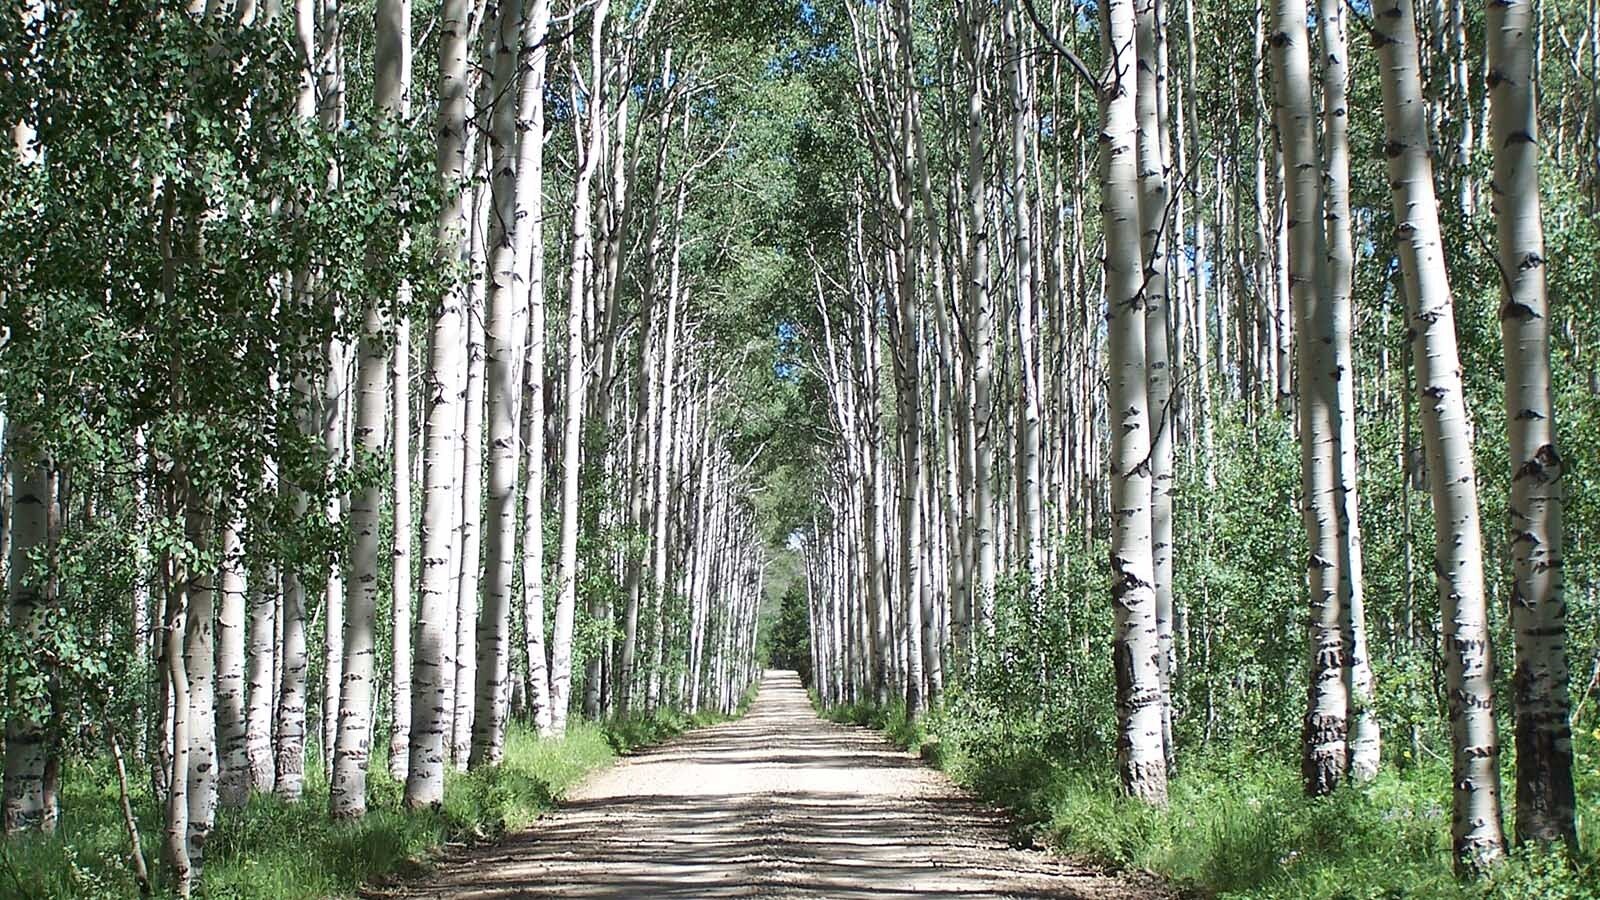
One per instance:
(777, 804)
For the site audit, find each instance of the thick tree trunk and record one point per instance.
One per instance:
(1545, 799)
(199, 665)
(262, 694)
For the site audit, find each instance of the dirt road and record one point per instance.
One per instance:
(778, 804)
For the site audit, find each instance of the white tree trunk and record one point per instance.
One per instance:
(1326, 722)
(507, 328)
(1545, 798)
(234, 782)
(433, 671)
(347, 788)
(392, 97)
(262, 693)
(199, 665)
(530, 247)
(1476, 832)
(582, 268)
(1364, 736)
(1136, 648)
(27, 745)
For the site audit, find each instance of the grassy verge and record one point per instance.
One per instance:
(287, 851)
(1239, 825)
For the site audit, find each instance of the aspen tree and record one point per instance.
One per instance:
(175, 844)
(468, 533)
(1031, 532)
(1476, 832)
(1326, 721)
(433, 644)
(27, 746)
(392, 97)
(329, 63)
(582, 268)
(1136, 648)
(1545, 798)
(199, 667)
(233, 786)
(1154, 194)
(980, 313)
(530, 248)
(1363, 732)
(261, 690)
(507, 328)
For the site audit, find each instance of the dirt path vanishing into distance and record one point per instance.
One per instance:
(777, 804)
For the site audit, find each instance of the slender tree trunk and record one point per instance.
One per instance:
(1136, 648)
(468, 534)
(1545, 797)
(530, 247)
(507, 311)
(176, 843)
(1363, 736)
(434, 668)
(1154, 195)
(27, 746)
(392, 97)
(1476, 832)
(400, 595)
(582, 268)
(1326, 720)
(981, 314)
(233, 786)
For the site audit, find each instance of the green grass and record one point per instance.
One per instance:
(272, 849)
(1238, 823)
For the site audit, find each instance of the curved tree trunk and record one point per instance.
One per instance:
(1476, 832)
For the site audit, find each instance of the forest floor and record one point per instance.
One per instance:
(777, 804)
